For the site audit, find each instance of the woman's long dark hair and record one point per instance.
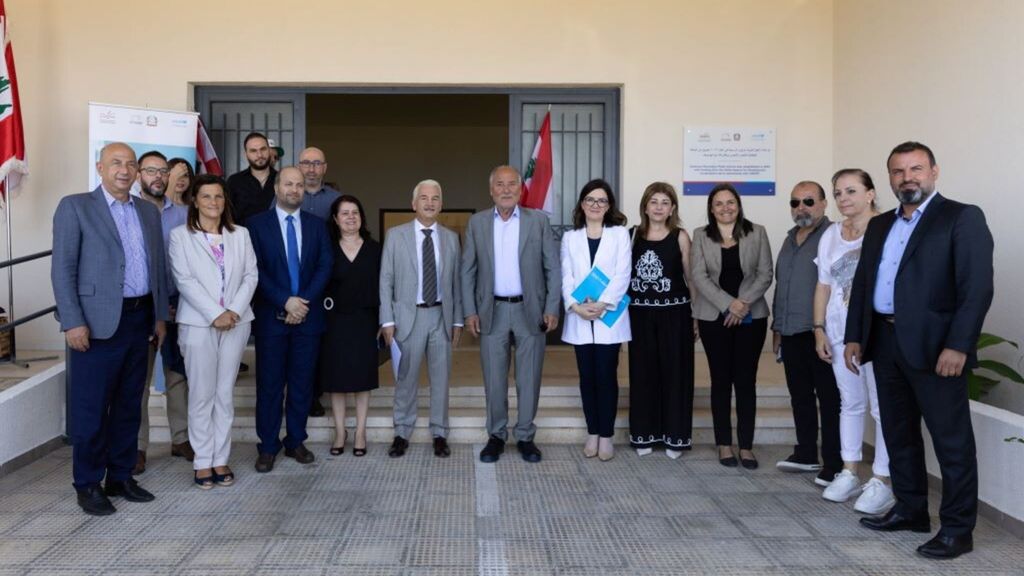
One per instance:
(742, 227)
(192, 220)
(332, 225)
(611, 218)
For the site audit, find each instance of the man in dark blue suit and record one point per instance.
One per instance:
(294, 256)
(111, 294)
(918, 302)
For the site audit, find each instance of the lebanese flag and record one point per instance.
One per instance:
(208, 162)
(12, 133)
(539, 180)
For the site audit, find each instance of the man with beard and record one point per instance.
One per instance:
(317, 200)
(251, 191)
(153, 180)
(918, 302)
(293, 254)
(811, 383)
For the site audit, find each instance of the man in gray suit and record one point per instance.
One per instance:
(111, 294)
(511, 284)
(421, 308)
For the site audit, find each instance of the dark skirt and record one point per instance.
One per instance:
(348, 352)
(661, 377)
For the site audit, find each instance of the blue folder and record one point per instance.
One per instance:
(591, 289)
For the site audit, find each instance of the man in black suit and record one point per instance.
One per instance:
(919, 298)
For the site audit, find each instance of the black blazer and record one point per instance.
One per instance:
(943, 285)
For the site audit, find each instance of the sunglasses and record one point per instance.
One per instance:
(806, 201)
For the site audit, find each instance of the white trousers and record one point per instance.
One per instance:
(856, 393)
(211, 363)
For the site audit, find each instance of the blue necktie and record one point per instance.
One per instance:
(293, 255)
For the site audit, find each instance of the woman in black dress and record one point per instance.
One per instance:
(661, 354)
(348, 351)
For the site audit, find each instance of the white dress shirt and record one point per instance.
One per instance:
(281, 215)
(506, 255)
(419, 259)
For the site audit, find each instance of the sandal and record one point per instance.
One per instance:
(225, 479)
(204, 483)
(357, 451)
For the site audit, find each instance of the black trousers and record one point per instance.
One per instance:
(905, 395)
(812, 391)
(733, 354)
(599, 386)
(661, 377)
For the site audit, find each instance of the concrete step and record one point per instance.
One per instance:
(554, 425)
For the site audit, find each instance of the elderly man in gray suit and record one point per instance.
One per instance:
(511, 284)
(421, 308)
(111, 293)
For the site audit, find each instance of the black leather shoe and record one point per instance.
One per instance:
(441, 449)
(894, 522)
(749, 463)
(529, 451)
(946, 547)
(317, 409)
(265, 463)
(729, 462)
(94, 502)
(398, 447)
(494, 449)
(129, 490)
(300, 454)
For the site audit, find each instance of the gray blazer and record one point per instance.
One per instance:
(706, 262)
(400, 278)
(87, 268)
(539, 268)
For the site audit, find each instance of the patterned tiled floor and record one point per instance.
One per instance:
(421, 515)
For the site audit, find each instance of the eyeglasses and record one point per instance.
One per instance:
(595, 201)
(312, 163)
(150, 171)
(807, 202)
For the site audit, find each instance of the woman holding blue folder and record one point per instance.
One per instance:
(732, 269)
(595, 276)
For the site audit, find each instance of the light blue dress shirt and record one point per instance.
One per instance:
(129, 229)
(892, 255)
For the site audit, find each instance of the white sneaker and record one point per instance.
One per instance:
(876, 499)
(845, 485)
(643, 451)
(673, 454)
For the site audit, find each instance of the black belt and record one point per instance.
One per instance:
(890, 318)
(134, 302)
(510, 299)
(425, 305)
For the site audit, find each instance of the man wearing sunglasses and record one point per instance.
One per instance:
(811, 382)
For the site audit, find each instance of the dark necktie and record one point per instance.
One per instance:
(429, 269)
(293, 255)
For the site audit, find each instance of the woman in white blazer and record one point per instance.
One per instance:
(214, 267)
(598, 241)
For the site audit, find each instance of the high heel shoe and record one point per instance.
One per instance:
(605, 450)
(357, 451)
(590, 448)
(339, 450)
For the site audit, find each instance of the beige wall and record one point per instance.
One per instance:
(696, 62)
(948, 74)
(379, 146)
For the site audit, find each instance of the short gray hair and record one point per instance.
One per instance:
(490, 179)
(427, 182)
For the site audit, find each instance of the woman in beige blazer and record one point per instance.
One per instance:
(214, 267)
(732, 269)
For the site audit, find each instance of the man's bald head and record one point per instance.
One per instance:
(289, 189)
(118, 169)
(313, 164)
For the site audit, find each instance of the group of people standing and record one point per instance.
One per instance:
(862, 321)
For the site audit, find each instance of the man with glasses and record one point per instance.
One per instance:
(109, 283)
(317, 201)
(154, 175)
(251, 191)
(811, 382)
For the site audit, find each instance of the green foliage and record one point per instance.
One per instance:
(979, 384)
